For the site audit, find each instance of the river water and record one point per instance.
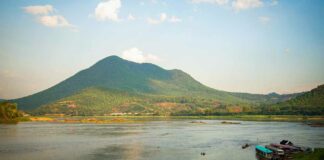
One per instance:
(152, 140)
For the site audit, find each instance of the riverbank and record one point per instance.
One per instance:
(314, 121)
(285, 118)
(318, 154)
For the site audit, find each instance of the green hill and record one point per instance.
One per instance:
(267, 98)
(114, 76)
(309, 103)
(116, 73)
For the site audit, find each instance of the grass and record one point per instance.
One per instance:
(318, 154)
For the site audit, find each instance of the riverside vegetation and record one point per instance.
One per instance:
(10, 114)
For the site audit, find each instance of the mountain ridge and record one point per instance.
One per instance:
(116, 73)
(311, 102)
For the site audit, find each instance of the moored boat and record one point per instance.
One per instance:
(278, 153)
(275, 150)
(263, 153)
(286, 148)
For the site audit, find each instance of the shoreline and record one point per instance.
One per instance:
(314, 121)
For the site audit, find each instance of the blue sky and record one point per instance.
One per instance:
(256, 46)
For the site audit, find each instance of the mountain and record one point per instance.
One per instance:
(268, 98)
(311, 102)
(147, 81)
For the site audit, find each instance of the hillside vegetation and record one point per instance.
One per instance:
(115, 85)
(118, 74)
(309, 103)
(100, 101)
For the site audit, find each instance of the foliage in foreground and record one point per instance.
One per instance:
(9, 112)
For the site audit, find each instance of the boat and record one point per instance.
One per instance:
(282, 151)
(303, 148)
(300, 148)
(263, 153)
(245, 146)
(286, 142)
(275, 150)
(286, 148)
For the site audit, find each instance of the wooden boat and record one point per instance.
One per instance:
(276, 150)
(301, 148)
(287, 148)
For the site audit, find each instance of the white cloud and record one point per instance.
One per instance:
(108, 10)
(264, 19)
(39, 10)
(246, 4)
(54, 21)
(44, 16)
(136, 55)
(162, 18)
(174, 19)
(219, 2)
(131, 17)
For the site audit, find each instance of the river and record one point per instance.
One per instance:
(152, 140)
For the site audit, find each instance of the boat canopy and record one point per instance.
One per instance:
(263, 149)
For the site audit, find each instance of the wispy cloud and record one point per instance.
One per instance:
(237, 5)
(163, 18)
(45, 16)
(54, 21)
(131, 17)
(219, 2)
(175, 19)
(39, 10)
(136, 55)
(108, 10)
(246, 4)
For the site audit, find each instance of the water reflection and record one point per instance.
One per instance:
(133, 151)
